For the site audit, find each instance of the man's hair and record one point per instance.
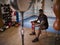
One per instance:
(40, 10)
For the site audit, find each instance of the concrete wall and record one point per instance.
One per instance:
(4, 1)
(49, 8)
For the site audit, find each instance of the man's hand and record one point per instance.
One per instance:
(42, 22)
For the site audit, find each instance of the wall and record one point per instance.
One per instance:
(49, 8)
(3, 1)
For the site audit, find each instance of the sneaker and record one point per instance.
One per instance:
(33, 33)
(35, 40)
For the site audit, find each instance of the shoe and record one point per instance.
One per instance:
(35, 40)
(33, 33)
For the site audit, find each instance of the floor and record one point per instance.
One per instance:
(12, 36)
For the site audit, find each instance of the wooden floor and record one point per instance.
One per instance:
(12, 36)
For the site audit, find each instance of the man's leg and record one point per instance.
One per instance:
(33, 29)
(37, 36)
(39, 32)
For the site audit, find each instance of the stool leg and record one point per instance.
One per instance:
(57, 35)
(46, 33)
(57, 38)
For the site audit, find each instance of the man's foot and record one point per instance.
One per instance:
(35, 40)
(33, 33)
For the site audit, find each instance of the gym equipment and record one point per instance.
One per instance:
(6, 14)
(3, 28)
(17, 17)
(21, 6)
(56, 25)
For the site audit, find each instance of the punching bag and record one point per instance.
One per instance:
(56, 10)
(21, 6)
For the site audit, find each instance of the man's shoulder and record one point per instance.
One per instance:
(44, 15)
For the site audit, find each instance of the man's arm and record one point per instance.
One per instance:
(42, 22)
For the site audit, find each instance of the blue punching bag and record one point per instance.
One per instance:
(17, 17)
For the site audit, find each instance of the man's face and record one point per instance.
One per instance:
(41, 12)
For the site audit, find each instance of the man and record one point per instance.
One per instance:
(43, 24)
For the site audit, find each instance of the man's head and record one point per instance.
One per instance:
(40, 11)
